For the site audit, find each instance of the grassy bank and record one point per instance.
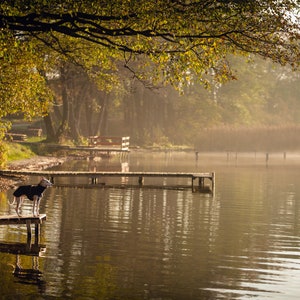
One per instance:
(18, 151)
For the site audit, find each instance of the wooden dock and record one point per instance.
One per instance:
(27, 220)
(94, 150)
(95, 176)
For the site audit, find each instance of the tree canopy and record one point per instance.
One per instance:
(198, 33)
(170, 41)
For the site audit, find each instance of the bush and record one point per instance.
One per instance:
(3, 154)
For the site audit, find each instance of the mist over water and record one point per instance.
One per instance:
(140, 243)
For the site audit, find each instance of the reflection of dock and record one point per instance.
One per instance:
(95, 176)
(22, 248)
(27, 220)
(30, 275)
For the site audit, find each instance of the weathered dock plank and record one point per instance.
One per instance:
(94, 176)
(15, 219)
(99, 173)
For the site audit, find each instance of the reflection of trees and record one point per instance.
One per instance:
(157, 241)
(144, 234)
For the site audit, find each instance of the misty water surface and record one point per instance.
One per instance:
(140, 243)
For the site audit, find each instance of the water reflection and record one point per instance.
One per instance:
(137, 243)
(118, 231)
(26, 269)
(29, 275)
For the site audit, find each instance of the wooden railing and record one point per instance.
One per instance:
(110, 141)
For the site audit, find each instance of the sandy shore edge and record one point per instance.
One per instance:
(35, 163)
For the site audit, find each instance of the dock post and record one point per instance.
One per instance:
(28, 223)
(37, 229)
(36, 233)
(94, 180)
(267, 159)
(141, 180)
(213, 178)
(201, 182)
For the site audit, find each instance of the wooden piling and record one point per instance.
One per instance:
(141, 181)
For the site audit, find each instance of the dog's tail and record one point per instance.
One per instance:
(13, 202)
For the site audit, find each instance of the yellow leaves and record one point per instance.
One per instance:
(22, 88)
(176, 37)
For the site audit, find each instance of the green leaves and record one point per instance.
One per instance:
(155, 27)
(159, 41)
(22, 88)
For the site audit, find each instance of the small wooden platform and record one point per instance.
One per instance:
(27, 220)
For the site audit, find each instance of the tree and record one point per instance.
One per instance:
(83, 105)
(177, 35)
(22, 87)
(179, 40)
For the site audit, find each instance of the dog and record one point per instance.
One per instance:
(33, 193)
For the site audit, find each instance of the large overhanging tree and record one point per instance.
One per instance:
(201, 30)
(180, 40)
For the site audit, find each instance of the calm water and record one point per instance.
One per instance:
(102, 243)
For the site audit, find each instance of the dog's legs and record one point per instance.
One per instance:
(36, 206)
(13, 202)
(19, 201)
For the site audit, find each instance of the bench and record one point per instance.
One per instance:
(15, 136)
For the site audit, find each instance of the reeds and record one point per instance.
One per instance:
(275, 138)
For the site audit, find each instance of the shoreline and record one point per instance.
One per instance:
(34, 163)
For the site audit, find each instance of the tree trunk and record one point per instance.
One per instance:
(100, 126)
(50, 132)
(63, 130)
(74, 120)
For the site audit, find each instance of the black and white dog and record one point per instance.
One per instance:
(33, 193)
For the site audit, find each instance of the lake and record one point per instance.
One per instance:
(168, 244)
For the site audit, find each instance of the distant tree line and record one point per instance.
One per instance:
(264, 95)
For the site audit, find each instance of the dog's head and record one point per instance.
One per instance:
(45, 182)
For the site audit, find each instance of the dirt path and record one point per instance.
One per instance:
(35, 163)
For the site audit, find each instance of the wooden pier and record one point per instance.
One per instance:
(94, 151)
(103, 146)
(94, 177)
(27, 220)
